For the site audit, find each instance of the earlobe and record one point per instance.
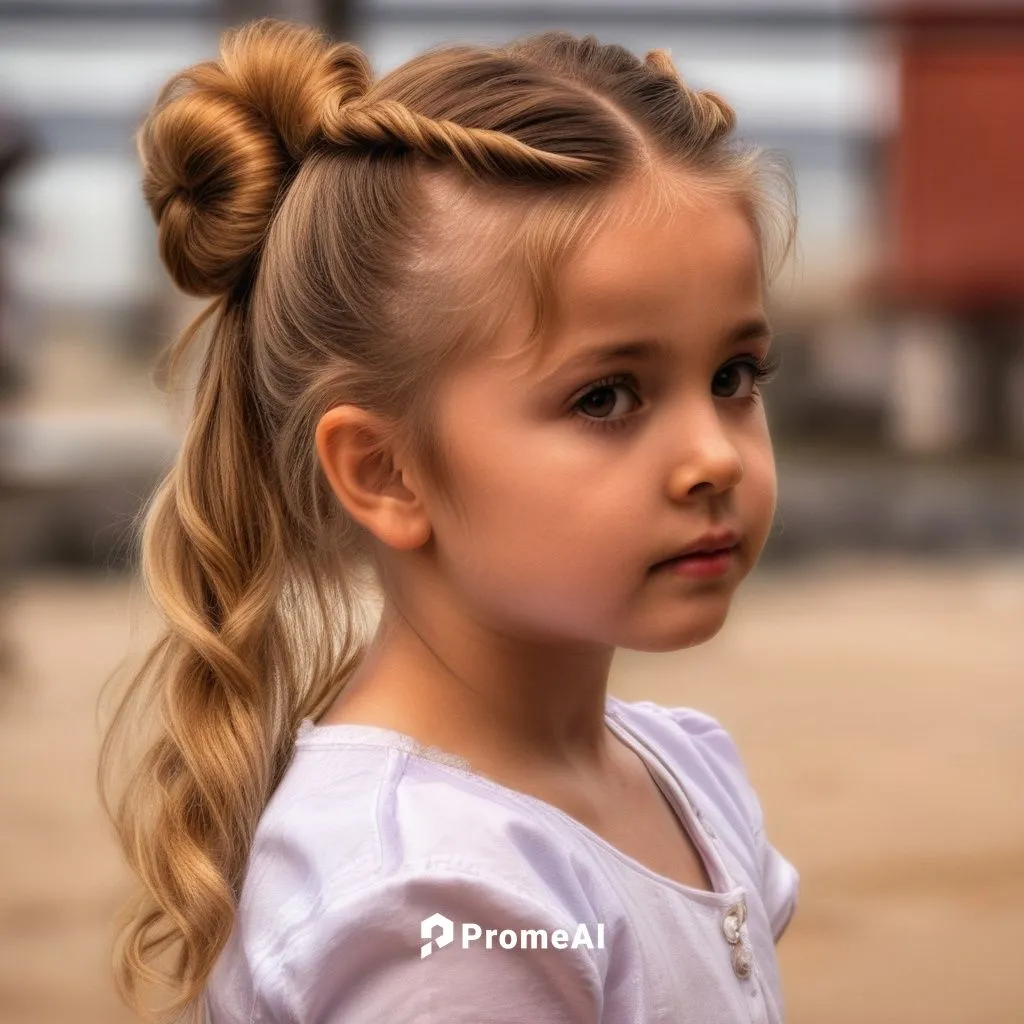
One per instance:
(359, 460)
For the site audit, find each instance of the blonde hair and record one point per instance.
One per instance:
(357, 237)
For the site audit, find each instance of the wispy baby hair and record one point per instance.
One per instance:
(357, 236)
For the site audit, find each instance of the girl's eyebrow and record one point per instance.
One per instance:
(752, 329)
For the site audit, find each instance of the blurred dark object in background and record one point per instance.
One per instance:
(335, 17)
(17, 147)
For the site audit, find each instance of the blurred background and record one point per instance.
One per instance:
(871, 670)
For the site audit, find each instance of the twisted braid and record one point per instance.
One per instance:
(480, 152)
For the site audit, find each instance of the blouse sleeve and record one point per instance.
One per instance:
(780, 880)
(400, 950)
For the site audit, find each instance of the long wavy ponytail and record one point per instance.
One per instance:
(322, 212)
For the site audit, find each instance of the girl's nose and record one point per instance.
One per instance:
(708, 460)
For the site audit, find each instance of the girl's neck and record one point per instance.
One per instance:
(487, 697)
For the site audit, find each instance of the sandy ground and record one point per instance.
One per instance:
(879, 707)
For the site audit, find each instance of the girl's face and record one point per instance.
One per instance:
(577, 474)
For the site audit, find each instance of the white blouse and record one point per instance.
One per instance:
(388, 884)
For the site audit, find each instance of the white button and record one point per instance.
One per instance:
(733, 921)
(741, 960)
(732, 928)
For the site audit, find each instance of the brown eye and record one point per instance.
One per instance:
(608, 402)
(761, 371)
(599, 402)
(730, 378)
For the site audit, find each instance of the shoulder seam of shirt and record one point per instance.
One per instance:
(394, 768)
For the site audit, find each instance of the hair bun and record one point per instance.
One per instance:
(224, 134)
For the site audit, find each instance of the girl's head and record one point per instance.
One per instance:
(406, 275)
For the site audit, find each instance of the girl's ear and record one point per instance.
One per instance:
(362, 468)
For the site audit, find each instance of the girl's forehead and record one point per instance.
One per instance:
(612, 309)
(695, 264)
(651, 250)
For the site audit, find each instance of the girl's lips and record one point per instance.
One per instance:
(712, 542)
(702, 564)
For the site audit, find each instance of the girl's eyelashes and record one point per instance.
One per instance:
(762, 370)
(600, 401)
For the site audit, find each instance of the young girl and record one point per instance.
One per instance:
(484, 355)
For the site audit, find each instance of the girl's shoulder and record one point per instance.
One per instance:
(371, 843)
(362, 806)
(368, 836)
(360, 803)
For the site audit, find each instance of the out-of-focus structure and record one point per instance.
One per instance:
(898, 416)
(957, 218)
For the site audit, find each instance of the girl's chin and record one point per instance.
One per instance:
(678, 637)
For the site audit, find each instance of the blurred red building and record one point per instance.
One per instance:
(957, 182)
